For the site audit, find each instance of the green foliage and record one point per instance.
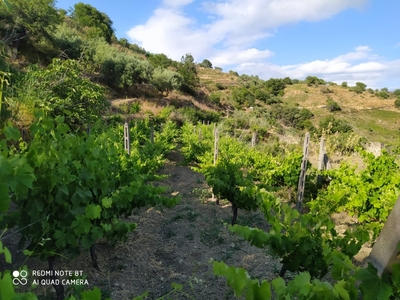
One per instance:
(344, 84)
(229, 182)
(334, 125)
(68, 40)
(28, 23)
(215, 98)
(314, 80)
(188, 71)
(291, 115)
(287, 81)
(397, 103)
(16, 174)
(206, 64)
(83, 186)
(161, 60)
(100, 25)
(166, 80)
(60, 90)
(359, 88)
(396, 92)
(275, 86)
(370, 194)
(234, 73)
(195, 116)
(242, 96)
(332, 105)
(382, 94)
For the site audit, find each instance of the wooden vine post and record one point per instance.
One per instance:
(126, 138)
(302, 178)
(216, 138)
(253, 139)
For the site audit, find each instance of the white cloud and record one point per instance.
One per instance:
(373, 71)
(233, 56)
(234, 24)
(176, 3)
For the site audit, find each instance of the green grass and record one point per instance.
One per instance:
(376, 125)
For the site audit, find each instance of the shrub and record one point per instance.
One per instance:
(220, 86)
(382, 94)
(332, 105)
(243, 96)
(334, 125)
(166, 80)
(234, 73)
(344, 84)
(397, 103)
(215, 98)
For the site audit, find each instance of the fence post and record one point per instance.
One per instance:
(253, 139)
(216, 138)
(127, 142)
(302, 178)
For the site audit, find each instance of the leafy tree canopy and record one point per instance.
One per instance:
(88, 16)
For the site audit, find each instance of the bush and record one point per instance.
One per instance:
(332, 105)
(206, 64)
(382, 94)
(333, 125)
(166, 80)
(291, 116)
(397, 103)
(344, 84)
(243, 96)
(215, 98)
(220, 86)
(234, 73)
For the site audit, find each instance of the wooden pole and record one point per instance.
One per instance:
(127, 142)
(216, 138)
(302, 178)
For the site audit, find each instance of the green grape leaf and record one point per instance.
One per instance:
(11, 133)
(301, 284)
(396, 275)
(106, 202)
(6, 287)
(373, 286)
(6, 252)
(341, 290)
(94, 294)
(93, 211)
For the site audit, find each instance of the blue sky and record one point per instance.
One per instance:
(337, 40)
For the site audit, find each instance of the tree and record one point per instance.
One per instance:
(314, 80)
(275, 86)
(344, 84)
(161, 60)
(166, 80)
(359, 88)
(397, 103)
(28, 23)
(206, 64)
(332, 105)
(397, 92)
(287, 81)
(243, 96)
(99, 23)
(188, 71)
(60, 90)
